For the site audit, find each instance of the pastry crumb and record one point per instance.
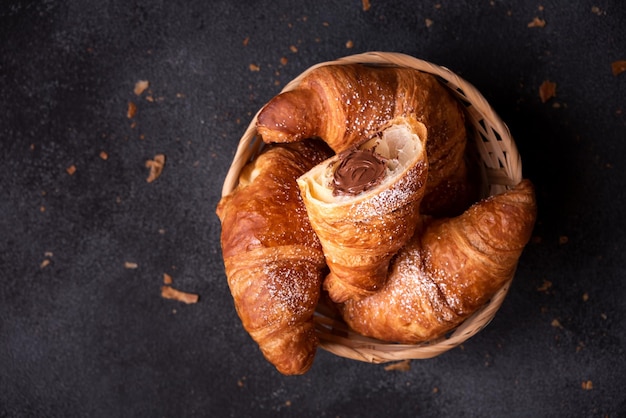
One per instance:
(130, 265)
(141, 86)
(104, 155)
(366, 5)
(131, 111)
(71, 170)
(254, 67)
(547, 284)
(402, 366)
(168, 292)
(547, 90)
(587, 385)
(156, 167)
(428, 22)
(349, 44)
(618, 67)
(167, 279)
(537, 23)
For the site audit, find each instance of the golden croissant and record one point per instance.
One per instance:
(448, 270)
(273, 260)
(343, 104)
(363, 204)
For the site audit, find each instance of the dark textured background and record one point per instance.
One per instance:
(81, 335)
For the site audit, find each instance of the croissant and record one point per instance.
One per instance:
(273, 260)
(343, 103)
(364, 203)
(449, 269)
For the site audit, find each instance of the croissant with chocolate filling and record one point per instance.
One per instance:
(273, 259)
(364, 203)
(448, 270)
(342, 104)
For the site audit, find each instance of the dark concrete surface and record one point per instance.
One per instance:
(82, 334)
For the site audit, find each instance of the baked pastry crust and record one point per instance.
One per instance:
(273, 260)
(451, 259)
(361, 232)
(342, 104)
(450, 268)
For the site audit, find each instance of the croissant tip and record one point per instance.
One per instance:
(285, 117)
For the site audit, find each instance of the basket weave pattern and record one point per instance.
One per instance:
(501, 168)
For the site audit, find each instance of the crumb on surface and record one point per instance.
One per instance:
(547, 284)
(156, 167)
(618, 67)
(402, 366)
(537, 23)
(131, 111)
(141, 86)
(547, 90)
(167, 279)
(168, 292)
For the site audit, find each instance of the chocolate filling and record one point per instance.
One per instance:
(358, 171)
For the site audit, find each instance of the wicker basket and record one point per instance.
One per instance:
(501, 167)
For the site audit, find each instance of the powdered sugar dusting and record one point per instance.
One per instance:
(405, 190)
(292, 283)
(409, 306)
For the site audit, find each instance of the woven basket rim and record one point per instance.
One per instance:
(502, 169)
